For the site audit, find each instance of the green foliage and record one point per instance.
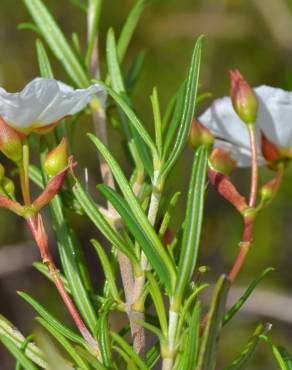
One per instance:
(160, 285)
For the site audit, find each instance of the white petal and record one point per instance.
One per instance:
(275, 114)
(230, 132)
(45, 101)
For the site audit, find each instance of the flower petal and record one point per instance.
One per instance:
(45, 101)
(230, 132)
(275, 114)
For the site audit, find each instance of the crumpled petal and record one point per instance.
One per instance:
(274, 119)
(44, 101)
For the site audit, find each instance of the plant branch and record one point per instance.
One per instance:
(39, 234)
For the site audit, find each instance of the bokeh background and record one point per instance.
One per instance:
(252, 35)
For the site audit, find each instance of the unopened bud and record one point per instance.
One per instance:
(221, 161)
(266, 193)
(243, 98)
(57, 159)
(270, 151)
(200, 135)
(10, 142)
(8, 186)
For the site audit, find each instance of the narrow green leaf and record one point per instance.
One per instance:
(191, 345)
(187, 307)
(100, 222)
(118, 86)
(167, 214)
(286, 357)
(153, 356)
(64, 343)
(28, 26)
(237, 306)
(189, 108)
(171, 127)
(55, 323)
(43, 59)
(248, 352)
(157, 120)
(157, 299)
(281, 355)
(36, 176)
(128, 350)
(158, 253)
(104, 340)
(9, 331)
(22, 348)
(94, 363)
(129, 28)
(17, 353)
(107, 269)
(69, 253)
(135, 71)
(207, 355)
(193, 223)
(93, 16)
(134, 120)
(56, 40)
(154, 251)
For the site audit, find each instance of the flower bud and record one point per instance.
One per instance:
(10, 142)
(227, 190)
(8, 186)
(221, 161)
(270, 151)
(243, 98)
(57, 159)
(200, 135)
(266, 193)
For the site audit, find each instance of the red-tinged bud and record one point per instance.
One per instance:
(10, 142)
(57, 159)
(227, 190)
(200, 135)
(50, 191)
(270, 151)
(243, 98)
(221, 161)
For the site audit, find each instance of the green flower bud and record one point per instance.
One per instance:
(8, 186)
(57, 159)
(200, 135)
(243, 98)
(10, 142)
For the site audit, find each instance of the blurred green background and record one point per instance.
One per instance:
(252, 35)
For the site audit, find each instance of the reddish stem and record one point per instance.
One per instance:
(38, 232)
(244, 246)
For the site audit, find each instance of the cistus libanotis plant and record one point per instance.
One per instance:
(159, 271)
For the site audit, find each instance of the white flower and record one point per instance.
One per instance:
(43, 102)
(274, 119)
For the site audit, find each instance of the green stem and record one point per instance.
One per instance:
(139, 343)
(254, 166)
(23, 174)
